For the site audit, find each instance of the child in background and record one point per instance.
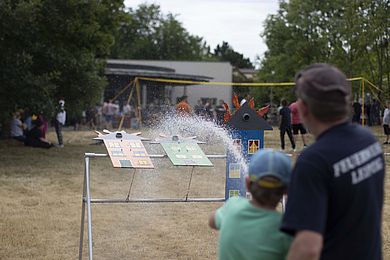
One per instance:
(249, 229)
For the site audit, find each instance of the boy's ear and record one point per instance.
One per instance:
(247, 182)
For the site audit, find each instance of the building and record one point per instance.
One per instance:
(120, 72)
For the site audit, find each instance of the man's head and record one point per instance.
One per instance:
(284, 102)
(268, 176)
(323, 93)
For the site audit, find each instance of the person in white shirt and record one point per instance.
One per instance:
(246, 98)
(60, 122)
(17, 128)
(386, 122)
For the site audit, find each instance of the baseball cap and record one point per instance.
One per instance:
(319, 79)
(270, 163)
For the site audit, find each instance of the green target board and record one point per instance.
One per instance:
(185, 154)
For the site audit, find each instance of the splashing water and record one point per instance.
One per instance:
(205, 130)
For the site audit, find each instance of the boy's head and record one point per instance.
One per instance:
(268, 176)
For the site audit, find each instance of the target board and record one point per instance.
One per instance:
(126, 150)
(184, 151)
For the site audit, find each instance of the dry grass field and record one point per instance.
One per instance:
(40, 204)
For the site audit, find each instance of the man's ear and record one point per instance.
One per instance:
(302, 109)
(247, 182)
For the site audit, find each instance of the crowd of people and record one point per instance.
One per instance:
(290, 123)
(31, 128)
(335, 191)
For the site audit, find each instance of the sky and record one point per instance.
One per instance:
(239, 22)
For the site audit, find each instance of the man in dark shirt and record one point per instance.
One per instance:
(335, 197)
(285, 124)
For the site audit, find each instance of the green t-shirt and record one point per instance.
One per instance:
(248, 232)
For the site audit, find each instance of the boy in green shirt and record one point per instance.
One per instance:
(249, 229)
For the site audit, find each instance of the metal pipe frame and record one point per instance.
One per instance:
(156, 156)
(156, 200)
(87, 199)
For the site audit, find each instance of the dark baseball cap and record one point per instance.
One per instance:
(320, 79)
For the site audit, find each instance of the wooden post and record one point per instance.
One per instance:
(138, 89)
(128, 101)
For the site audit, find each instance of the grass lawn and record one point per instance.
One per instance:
(40, 204)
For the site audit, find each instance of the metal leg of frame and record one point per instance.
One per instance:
(189, 183)
(89, 216)
(131, 184)
(82, 222)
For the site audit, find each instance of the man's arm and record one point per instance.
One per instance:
(212, 221)
(307, 245)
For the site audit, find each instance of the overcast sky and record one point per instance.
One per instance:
(239, 22)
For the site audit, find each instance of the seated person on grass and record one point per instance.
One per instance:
(35, 138)
(249, 229)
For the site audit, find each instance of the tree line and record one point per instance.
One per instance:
(53, 49)
(351, 34)
(57, 49)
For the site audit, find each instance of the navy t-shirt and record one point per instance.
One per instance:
(337, 190)
(285, 121)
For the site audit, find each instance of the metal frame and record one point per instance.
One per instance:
(88, 200)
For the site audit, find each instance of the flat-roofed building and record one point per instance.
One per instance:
(121, 72)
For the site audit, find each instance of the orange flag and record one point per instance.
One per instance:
(227, 115)
(252, 103)
(236, 104)
(262, 111)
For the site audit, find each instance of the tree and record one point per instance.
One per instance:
(51, 49)
(353, 35)
(225, 52)
(149, 34)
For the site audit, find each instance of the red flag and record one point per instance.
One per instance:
(262, 111)
(236, 104)
(252, 103)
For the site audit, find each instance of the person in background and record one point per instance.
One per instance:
(296, 124)
(199, 108)
(249, 229)
(59, 121)
(246, 98)
(183, 108)
(285, 124)
(27, 120)
(45, 124)
(335, 197)
(209, 111)
(220, 112)
(17, 127)
(386, 122)
(357, 111)
(109, 110)
(34, 137)
(375, 112)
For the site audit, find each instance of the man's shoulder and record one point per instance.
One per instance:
(346, 139)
